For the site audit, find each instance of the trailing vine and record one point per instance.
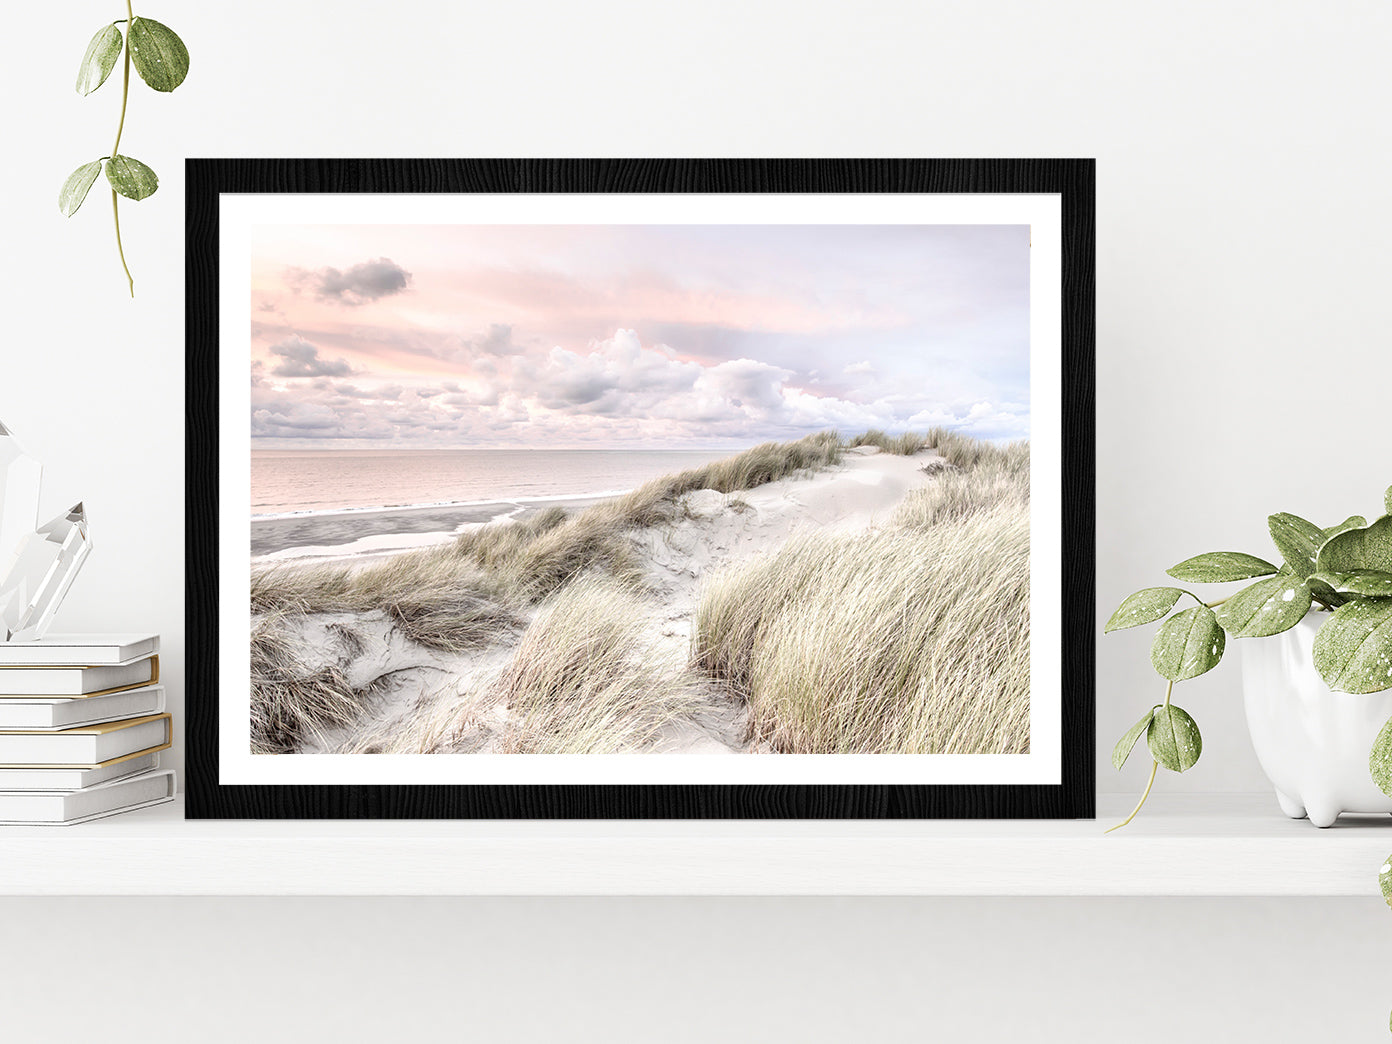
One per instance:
(162, 61)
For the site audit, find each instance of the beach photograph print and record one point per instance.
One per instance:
(664, 492)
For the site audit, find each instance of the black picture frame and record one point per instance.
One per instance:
(1071, 179)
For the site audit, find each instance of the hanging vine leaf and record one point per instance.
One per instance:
(1387, 500)
(1218, 567)
(1265, 608)
(1298, 541)
(1122, 750)
(1143, 607)
(99, 60)
(158, 54)
(75, 189)
(1353, 650)
(130, 177)
(1173, 738)
(1188, 644)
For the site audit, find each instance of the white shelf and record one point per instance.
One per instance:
(1212, 845)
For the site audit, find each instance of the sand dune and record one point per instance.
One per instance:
(809, 603)
(425, 699)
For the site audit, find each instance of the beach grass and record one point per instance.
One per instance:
(905, 444)
(462, 594)
(435, 598)
(905, 641)
(289, 704)
(445, 720)
(993, 476)
(913, 639)
(910, 639)
(585, 680)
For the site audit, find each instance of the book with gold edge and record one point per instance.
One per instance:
(77, 681)
(90, 745)
(51, 713)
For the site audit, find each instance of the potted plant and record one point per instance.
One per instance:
(1318, 692)
(1327, 614)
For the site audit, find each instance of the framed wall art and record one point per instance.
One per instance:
(640, 488)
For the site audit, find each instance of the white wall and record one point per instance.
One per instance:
(1243, 261)
(1243, 224)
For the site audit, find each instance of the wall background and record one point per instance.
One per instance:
(1243, 265)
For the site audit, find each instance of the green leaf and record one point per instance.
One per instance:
(1380, 765)
(1122, 750)
(1385, 878)
(1298, 541)
(1353, 650)
(1173, 738)
(130, 177)
(1320, 589)
(1366, 548)
(99, 60)
(1366, 583)
(1188, 644)
(1387, 500)
(1218, 567)
(1143, 607)
(1267, 607)
(75, 188)
(160, 57)
(1352, 522)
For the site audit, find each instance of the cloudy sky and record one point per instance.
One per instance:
(634, 335)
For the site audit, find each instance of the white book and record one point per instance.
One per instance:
(87, 746)
(21, 778)
(77, 681)
(78, 650)
(43, 714)
(64, 808)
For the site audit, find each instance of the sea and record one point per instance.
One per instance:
(298, 482)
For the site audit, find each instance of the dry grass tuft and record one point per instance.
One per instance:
(447, 720)
(905, 641)
(911, 640)
(289, 704)
(584, 680)
(998, 478)
(434, 598)
(905, 444)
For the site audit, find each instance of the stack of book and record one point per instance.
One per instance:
(82, 724)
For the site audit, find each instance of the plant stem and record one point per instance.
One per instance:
(120, 127)
(1154, 767)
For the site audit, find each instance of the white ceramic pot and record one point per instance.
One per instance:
(1312, 742)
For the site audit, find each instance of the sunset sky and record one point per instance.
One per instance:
(634, 335)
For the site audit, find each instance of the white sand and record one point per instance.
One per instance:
(428, 692)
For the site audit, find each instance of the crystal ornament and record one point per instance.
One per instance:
(41, 573)
(19, 495)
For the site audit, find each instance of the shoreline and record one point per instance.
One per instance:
(379, 531)
(443, 505)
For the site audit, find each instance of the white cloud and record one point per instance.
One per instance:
(617, 390)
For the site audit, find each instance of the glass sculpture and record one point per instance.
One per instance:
(37, 565)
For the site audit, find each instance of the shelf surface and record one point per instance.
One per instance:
(1183, 846)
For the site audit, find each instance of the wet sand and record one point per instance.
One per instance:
(269, 535)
